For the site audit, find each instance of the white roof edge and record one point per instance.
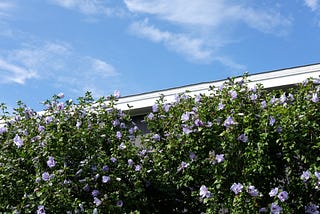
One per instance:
(272, 79)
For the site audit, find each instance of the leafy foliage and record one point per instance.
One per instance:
(239, 150)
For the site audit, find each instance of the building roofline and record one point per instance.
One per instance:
(214, 81)
(141, 103)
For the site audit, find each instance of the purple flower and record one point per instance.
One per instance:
(283, 98)
(156, 137)
(312, 209)
(3, 130)
(254, 88)
(185, 117)
(204, 192)
(236, 188)
(220, 106)
(272, 120)
(219, 158)
(228, 122)
(275, 208)
(186, 130)
(105, 179)
(97, 201)
(48, 119)
(263, 104)
(46, 176)
(252, 191)
(41, 210)
(130, 162)
(51, 163)
(305, 175)
(233, 94)
(86, 188)
(122, 125)
(197, 99)
(66, 181)
(151, 116)
(60, 95)
(183, 166)
(243, 138)
(118, 135)
(120, 203)
(95, 193)
(291, 97)
(18, 141)
(116, 94)
(272, 100)
(137, 168)
(283, 196)
(177, 98)
(60, 106)
(279, 129)
(253, 97)
(166, 107)
(263, 210)
(192, 156)
(113, 159)
(209, 124)
(115, 123)
(120, 113)
(133, 130)
(105, 168)
(81, 207)
(315, 98)
(122, 146)
(155, 108)
(274, 192)
(317, 174)
(95, 211)
(142, 152)
(41, 128)
(198, 122)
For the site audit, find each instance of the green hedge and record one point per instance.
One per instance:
(239, 150)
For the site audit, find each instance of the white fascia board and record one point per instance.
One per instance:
(272, 79)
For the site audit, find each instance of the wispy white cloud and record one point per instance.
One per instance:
(199, 25)
(203, 26)
(59, 65)
(11, 73)
(102, 68)
(210, 13)
(265, 21)
(89, 7)
(230, 63)
(5, 8)
(192, 48)
(312, 4)
(49, 56)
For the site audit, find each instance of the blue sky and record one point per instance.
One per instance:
(136, 46)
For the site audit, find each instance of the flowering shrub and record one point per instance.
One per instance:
(70, 158)
(239, 150)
